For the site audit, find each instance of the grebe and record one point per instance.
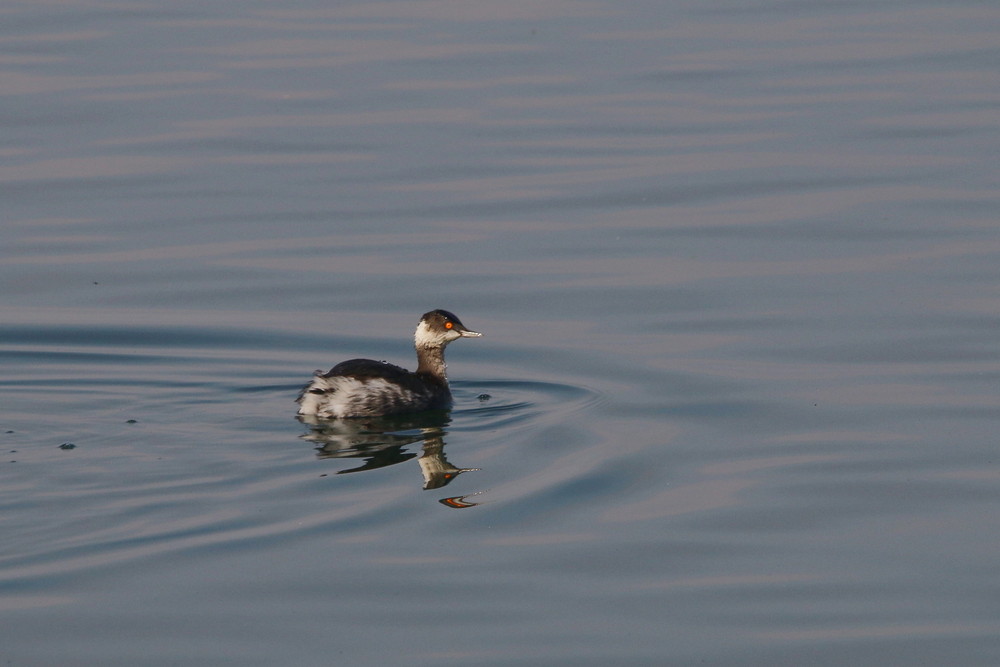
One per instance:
(367, 388)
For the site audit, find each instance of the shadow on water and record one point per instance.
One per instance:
(385, 441)
(380, 442)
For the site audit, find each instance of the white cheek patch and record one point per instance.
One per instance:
(424, 337)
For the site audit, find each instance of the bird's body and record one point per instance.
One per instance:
(368, 388)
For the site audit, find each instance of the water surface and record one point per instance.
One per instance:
(737, 264)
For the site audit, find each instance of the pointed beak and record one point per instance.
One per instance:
(470, 334)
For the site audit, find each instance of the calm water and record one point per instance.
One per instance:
(737, 264)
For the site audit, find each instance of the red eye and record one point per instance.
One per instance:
(448, 325)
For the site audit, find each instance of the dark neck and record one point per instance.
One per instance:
(430, 364)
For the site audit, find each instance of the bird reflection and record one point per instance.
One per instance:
(383, 441)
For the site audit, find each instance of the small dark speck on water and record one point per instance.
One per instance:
(132, 421)
(483, 398)
(67, 445)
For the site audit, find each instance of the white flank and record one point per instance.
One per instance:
(345, 396)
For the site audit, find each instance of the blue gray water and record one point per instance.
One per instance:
(736, 263)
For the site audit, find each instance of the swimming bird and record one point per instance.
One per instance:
(368, 388)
